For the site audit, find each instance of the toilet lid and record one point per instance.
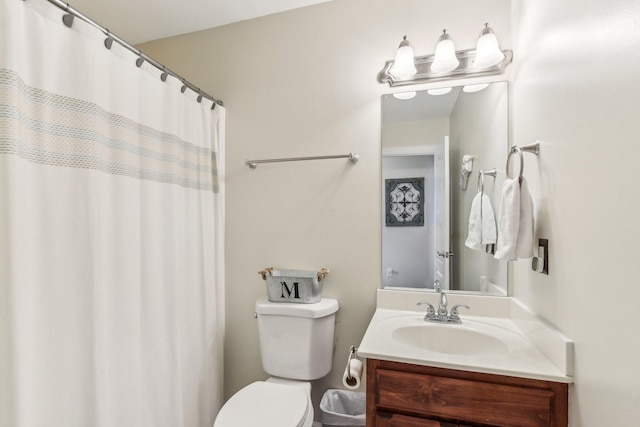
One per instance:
(265, 404)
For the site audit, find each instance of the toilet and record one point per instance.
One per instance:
(296, 346)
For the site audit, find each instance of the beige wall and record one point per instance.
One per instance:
(414, 133)
(576, 89)
(303, 83)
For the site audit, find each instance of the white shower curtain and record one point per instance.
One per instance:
(111, 234)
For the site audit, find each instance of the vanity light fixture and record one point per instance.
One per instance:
(403, 66)
(488, 51)
(445, 57)
(404, 95)
(475, 88)
(439, 91)
(446, 63)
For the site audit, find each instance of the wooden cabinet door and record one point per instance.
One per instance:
(419, 396)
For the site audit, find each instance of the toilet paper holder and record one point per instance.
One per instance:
(353, 371)
(353, 353)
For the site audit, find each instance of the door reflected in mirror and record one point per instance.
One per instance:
(427, 195)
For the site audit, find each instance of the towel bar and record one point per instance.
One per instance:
(481, 174)
(353, 158)
(531, 148)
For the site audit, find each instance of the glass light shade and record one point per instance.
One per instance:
(404, 65)
(475, 88)
(445, 57)
(440, 91)
(488, 51)
(404, 95)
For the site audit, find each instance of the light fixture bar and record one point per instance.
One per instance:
(424, 73)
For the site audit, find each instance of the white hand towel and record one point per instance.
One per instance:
(524, 248)
(508, 220)
(515, 223)
(489, 232)
(482, 223)
(474, 237)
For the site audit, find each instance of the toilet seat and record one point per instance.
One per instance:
(265, 404)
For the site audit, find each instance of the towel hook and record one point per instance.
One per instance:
(481, 174)
(531, 148)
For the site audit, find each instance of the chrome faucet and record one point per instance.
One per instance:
(441, 316)
(442, 307)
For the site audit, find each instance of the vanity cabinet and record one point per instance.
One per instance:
(407, 395)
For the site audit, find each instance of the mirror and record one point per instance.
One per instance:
(426, 200)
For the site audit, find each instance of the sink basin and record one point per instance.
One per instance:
(498, 337)
(449, 339)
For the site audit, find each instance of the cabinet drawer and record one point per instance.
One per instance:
(395, 420)
(463, 400)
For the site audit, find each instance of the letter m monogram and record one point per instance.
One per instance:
(293, 290)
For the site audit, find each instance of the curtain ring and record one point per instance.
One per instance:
(164, 74)
(108, 42)
(514, 150)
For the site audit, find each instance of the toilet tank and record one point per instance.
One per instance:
(296, 340)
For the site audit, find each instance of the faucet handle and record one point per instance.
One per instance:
(453, 314)
(431, 312)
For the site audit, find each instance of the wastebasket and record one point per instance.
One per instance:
(343, 408)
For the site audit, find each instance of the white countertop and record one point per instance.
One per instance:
(532, 349)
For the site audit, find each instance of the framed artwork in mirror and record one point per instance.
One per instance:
(404, 201)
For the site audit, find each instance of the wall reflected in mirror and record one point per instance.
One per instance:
(424, 140)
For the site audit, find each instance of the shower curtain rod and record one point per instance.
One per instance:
(68, 21)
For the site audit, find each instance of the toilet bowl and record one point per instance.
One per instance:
(296, 346)
(271, 403)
